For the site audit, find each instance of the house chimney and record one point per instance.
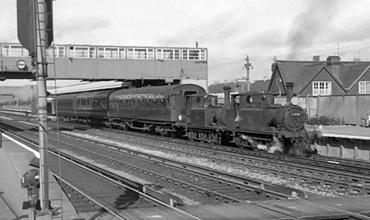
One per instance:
(333, 59)
(333, 62)
(316, 58)
(289, 92)
(227, 94)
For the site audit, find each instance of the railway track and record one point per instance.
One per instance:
(350, 165)
(312, 176)
(188, 217)
(194, 181)
(323, 174)
(95, 189)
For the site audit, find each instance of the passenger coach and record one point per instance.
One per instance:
(150, 108)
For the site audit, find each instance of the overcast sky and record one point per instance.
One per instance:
(230, 29)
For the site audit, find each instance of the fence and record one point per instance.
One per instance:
(350, 108)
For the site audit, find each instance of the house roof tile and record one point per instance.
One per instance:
(302, 72)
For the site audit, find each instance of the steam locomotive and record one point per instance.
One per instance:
(246, 120)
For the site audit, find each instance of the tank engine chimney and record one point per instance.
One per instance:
(227, 94)
(289, 92)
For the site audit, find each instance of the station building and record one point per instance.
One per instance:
(139, 65)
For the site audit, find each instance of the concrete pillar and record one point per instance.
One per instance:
(328, 149)
(341, 151)
(356, 153)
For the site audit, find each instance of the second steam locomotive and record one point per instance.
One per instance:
(246, 120)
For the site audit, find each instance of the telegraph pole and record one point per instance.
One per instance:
(41, 45)
(247, 66)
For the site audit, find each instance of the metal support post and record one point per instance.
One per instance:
(41, 44)
(247, 66)
(1, 139)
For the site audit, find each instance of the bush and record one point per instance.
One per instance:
(324, 120)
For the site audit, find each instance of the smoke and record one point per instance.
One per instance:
(310, 24)
(276, 146)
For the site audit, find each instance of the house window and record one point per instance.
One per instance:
(321, 88)
(364, 87)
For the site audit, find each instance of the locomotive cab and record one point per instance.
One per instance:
(200, 110)
(247, 110)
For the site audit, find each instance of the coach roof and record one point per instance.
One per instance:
(164, 90)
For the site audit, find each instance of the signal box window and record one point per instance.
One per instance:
(82, 52)
(58, 51)
(122, 53)
(14, 51)
(194, 54)
(108, 53)
(168, 54)
(140, 53)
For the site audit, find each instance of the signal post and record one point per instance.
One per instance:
(35, 34)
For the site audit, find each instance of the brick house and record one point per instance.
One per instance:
(314, 78)
(333, 88)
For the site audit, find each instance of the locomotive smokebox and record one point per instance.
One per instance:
(289, 92)
(227, 94)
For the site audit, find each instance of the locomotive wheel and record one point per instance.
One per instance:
(214, 138)
(191, 135)
(123, 127)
